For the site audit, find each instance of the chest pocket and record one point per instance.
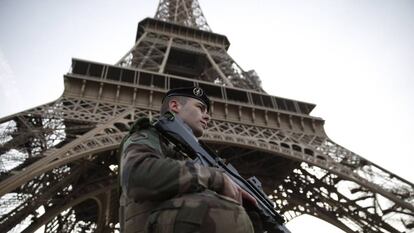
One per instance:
(175, 218)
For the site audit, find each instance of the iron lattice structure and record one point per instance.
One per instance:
(58, 161)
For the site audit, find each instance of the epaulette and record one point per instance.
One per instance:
(140, 124)
(147, 135)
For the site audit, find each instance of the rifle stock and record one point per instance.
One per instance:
(181, 135)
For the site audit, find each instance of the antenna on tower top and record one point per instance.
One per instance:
(183, 12)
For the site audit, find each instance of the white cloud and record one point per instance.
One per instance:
(10, 96)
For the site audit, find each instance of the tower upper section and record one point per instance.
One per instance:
(183, 12)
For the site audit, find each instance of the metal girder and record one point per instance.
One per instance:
(46, 152)
(235, 135)
(153, 48)
(91, 142)
(107, 137)
(320, 196)
(100, 195)
(43, 192)
(184, 12)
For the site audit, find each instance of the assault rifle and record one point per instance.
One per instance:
(179, 133)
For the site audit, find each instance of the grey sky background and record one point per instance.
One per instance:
(352, 58)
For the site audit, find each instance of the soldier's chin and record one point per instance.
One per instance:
(198, 132)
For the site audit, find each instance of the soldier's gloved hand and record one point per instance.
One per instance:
(234, 191)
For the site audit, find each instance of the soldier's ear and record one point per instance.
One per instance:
(174, 105)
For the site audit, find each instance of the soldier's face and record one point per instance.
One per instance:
(195, 114)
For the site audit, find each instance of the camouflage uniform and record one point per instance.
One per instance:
(163, 191)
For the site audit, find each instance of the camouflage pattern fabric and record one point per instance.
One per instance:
(204, 212)
(163, 191)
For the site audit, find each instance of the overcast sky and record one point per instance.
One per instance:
(352, 58)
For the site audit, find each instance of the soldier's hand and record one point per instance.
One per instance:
(234, 191)
(247, 198)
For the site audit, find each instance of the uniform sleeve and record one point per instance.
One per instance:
(147, 175)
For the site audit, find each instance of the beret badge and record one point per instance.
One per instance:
(198, 91)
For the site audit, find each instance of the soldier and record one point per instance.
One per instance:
(164, 191)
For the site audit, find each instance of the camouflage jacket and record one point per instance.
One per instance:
(152, 172)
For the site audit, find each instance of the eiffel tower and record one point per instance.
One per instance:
(58, 164)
